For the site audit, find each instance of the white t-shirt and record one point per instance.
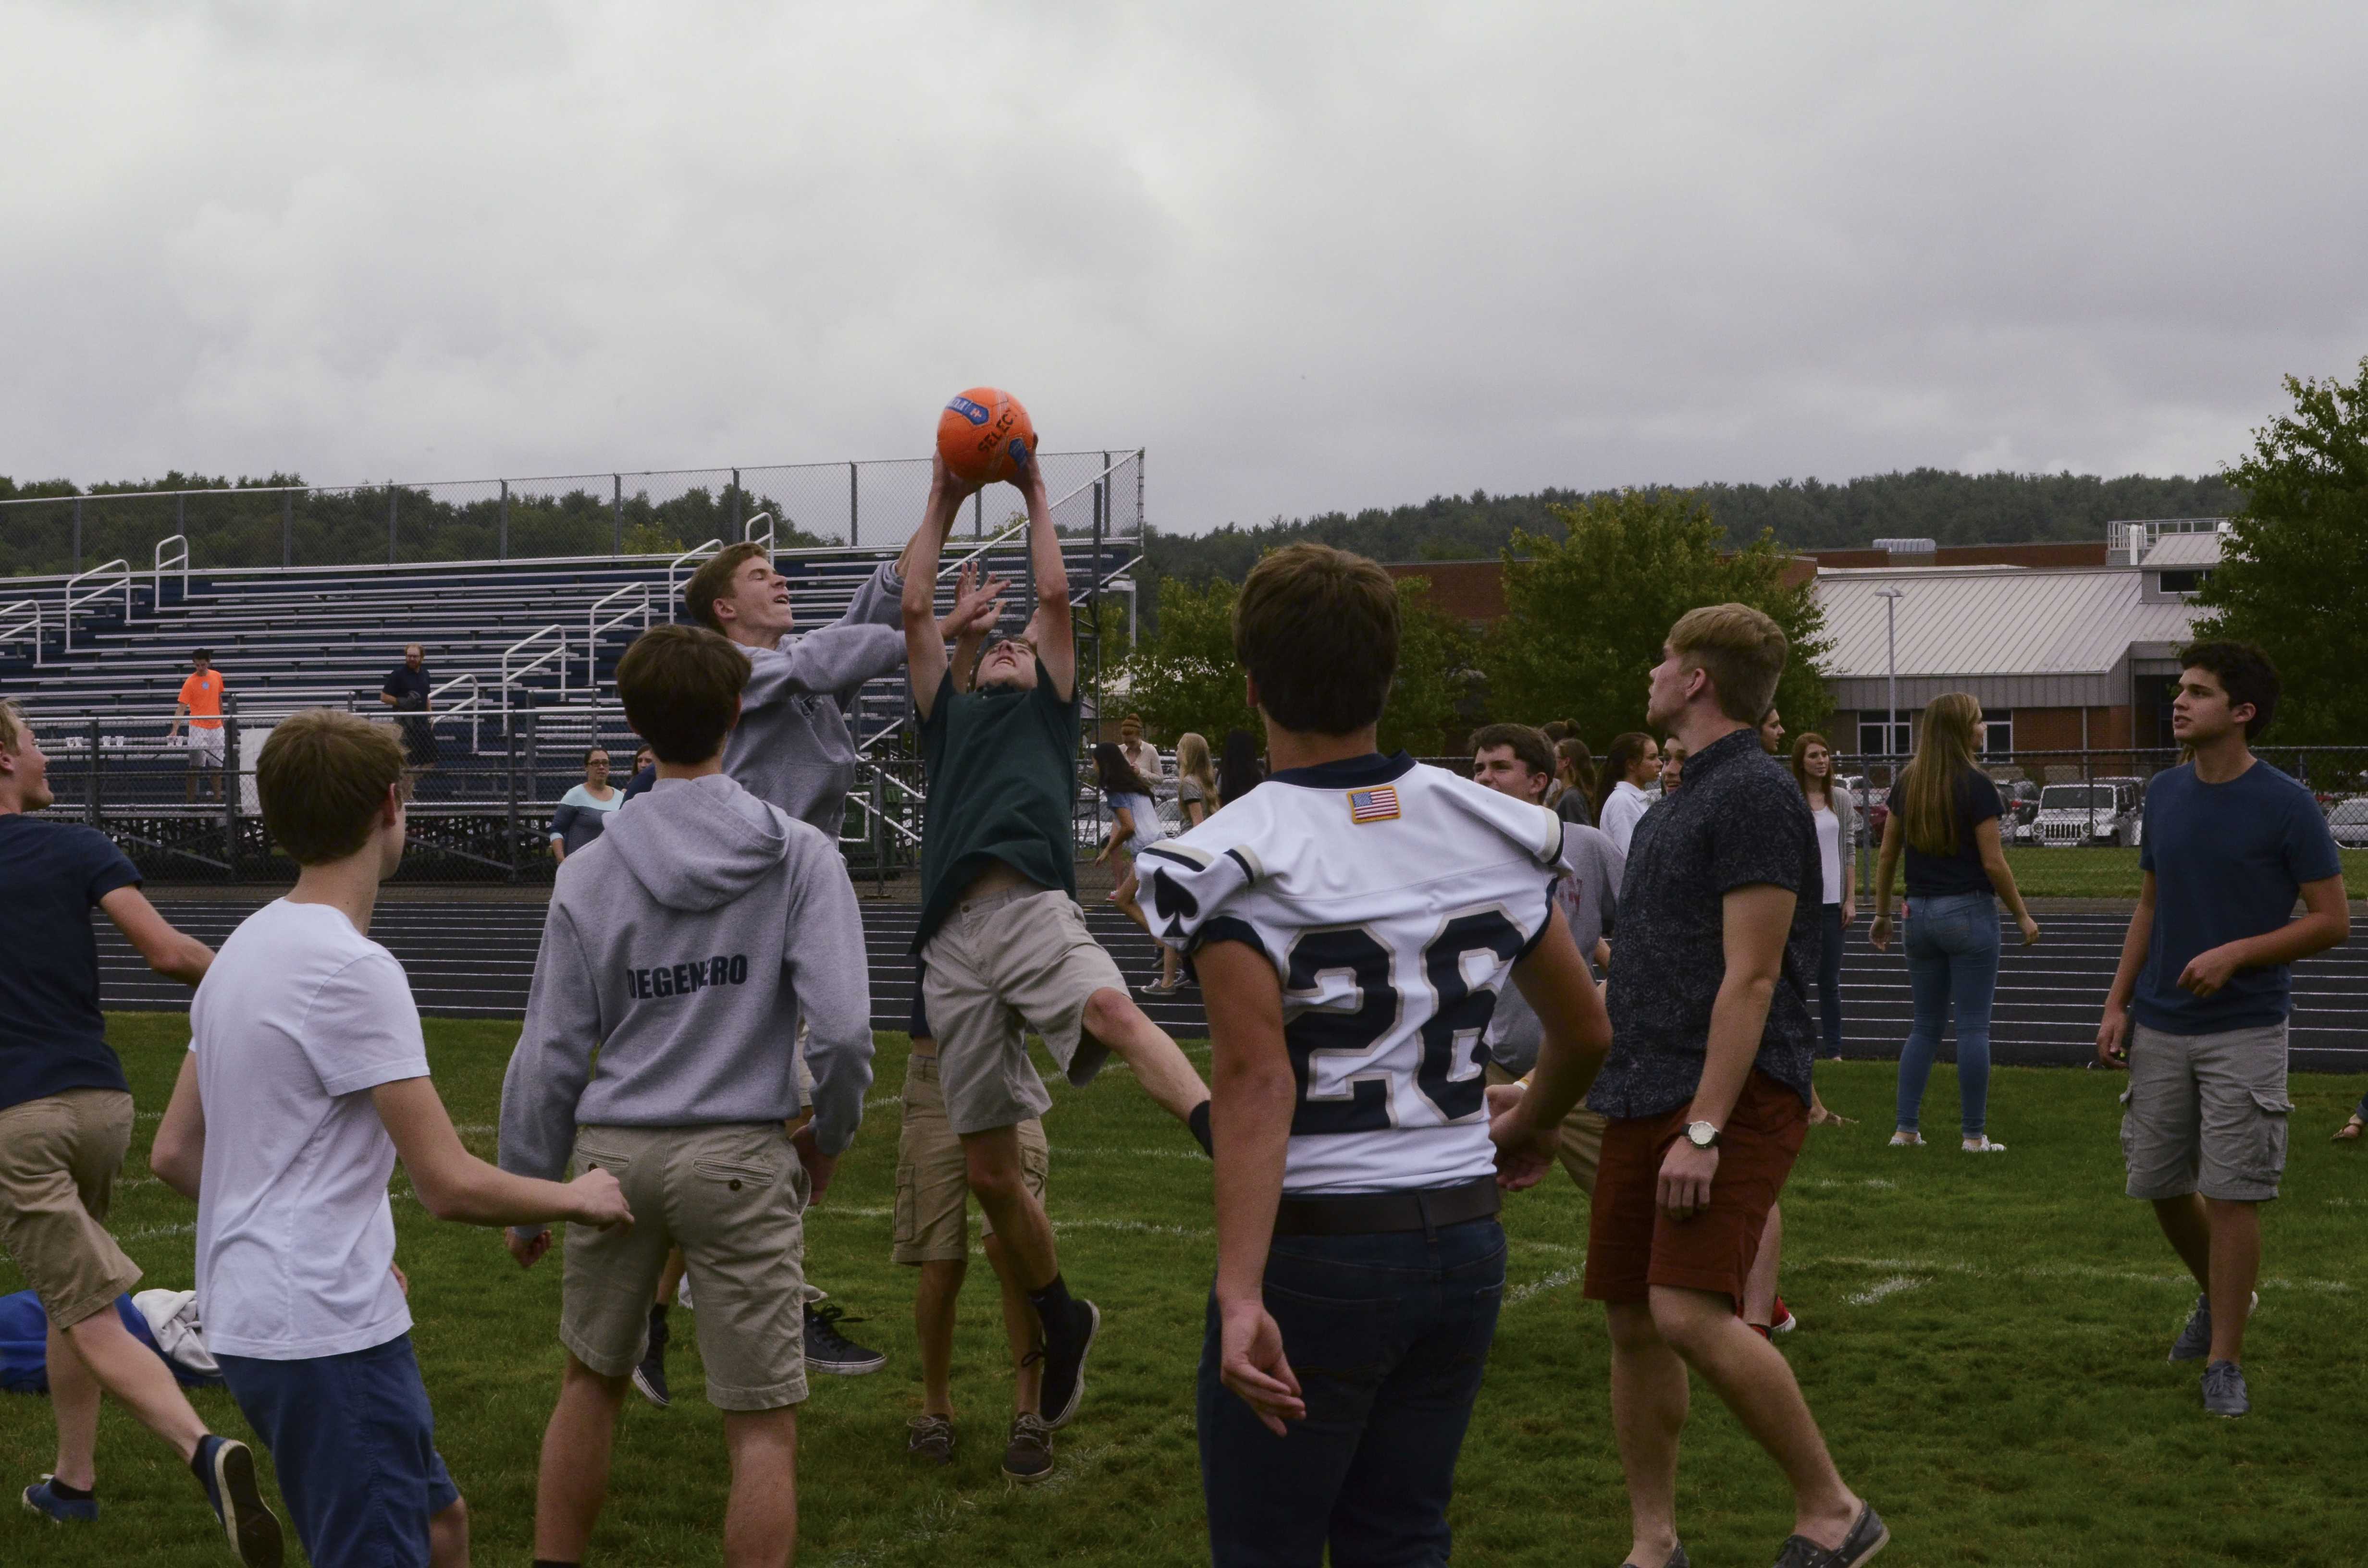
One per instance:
(1829, 851)
(299, 1019)
(1622, 810)
(1148, 829)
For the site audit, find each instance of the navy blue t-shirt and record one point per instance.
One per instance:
(2228, 862)
(52, 1036)
(1975, 801)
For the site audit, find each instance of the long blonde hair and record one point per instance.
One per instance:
(1193, 762)
(1926, 795)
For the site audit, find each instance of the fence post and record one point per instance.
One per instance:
(181, 527)
(503, 544)
(230, 795)
(978, 514)
(90, 781)
(738, 535)
(1094, 591)
(617, 480)
(878, 837)
(390, 522)
(509, 757)
(288, 527)
(77, 534)
(854, 512)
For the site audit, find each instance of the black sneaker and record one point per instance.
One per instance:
(1865, 1539)
(827, 1350)
(649, 1378)
(1028, 1459)
(931, 1440)
(1064, 1363)
(226, 1467)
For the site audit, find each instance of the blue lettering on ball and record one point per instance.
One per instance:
(968, 410)
(1018, 453)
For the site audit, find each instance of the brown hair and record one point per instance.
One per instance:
(1618, 758)
(1558, 730)
(2243, 672)
(322, 779)
(1572, 750)
(1743, 652)
(1317, 629)
(1800, 765)
(712, 581)
(681, 688)
(1925, 794)
(1530, 747)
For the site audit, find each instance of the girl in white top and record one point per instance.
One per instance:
(1136, 823)
(1836, 813)
(584, 810)
(1196, 797)
(1633, 762)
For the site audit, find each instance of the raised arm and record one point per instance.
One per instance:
(924, 648)
(1053, 629)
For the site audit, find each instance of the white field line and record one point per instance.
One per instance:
(2048, 1271)
(1091, 1152)
(156, 1233)
(1554, 1282)
(1894, 1286)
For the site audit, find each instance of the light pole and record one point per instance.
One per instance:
(1890, 597)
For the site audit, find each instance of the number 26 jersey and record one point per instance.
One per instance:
(1393, 900)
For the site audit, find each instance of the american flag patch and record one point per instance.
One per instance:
(1373, 805)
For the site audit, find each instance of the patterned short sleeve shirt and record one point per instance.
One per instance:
(1738, 820)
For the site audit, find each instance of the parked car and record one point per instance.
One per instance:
(2101, 812)
(2348, 821)
(2021, 799)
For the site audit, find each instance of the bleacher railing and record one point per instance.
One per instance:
(28, 620)
(103, 580)
(652, 512)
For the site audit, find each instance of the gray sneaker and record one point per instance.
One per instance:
(2224, 1389)
(1028, 1459)
(2195, 1341)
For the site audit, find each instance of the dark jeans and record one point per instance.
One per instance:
(1830, 980)
(1953, 944)
(1389, 1336)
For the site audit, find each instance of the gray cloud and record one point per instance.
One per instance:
(1312, 255)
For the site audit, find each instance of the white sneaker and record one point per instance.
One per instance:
(1904, 1140)
(1983, 1145)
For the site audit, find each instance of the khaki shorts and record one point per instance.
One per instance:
(1001, 966)
(59, 1156)
(2206, 1113)
(1580, 1147)
(932, 1183)
(733, 1198)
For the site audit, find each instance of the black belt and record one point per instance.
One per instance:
(1366, 1213)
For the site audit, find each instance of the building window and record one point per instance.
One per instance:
(1998, 734)
(2184, 582)
(1873, 742)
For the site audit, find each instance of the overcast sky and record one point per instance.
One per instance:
(1311, 256)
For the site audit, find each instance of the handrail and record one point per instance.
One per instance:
(558, 651)
(473, 705)
(116, 572)
(10, 633)
(182, 562)
(694, 551)
(592, 630)
(749, 531)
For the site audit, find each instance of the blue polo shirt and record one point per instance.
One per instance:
(2228, 862)
(52, 1035)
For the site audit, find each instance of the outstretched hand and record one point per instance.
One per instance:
(978, 604)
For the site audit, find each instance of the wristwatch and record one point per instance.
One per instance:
(1702, 1134)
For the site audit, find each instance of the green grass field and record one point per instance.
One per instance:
(2114, 873)
(1983, 1341)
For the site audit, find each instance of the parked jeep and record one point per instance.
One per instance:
(2103, 812)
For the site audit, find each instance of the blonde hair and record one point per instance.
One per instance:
(321, 778)
(1192, 761)
(1743, 651)
(1926, 797)
(12, 734)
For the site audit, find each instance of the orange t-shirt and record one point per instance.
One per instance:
(202, 694)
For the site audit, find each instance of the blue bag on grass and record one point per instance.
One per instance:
(24, 1345)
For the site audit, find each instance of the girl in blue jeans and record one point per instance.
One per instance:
(1945, 816)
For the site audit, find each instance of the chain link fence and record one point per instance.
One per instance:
(807, 505)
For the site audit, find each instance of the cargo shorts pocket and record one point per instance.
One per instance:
(2265, 1142)
(908, 1206)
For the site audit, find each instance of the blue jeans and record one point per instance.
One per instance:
(1829, 980)
(1953, 946)
(1389, 1336)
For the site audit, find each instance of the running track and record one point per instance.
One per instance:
(473, 960)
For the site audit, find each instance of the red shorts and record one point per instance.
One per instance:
(1634, 1245)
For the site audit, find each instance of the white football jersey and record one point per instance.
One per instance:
(1392, 899)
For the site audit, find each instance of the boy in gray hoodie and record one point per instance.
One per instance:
(683, 945)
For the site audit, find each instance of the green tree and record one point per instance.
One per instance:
(1585, 614)
(1427, 713)
(2294, 579)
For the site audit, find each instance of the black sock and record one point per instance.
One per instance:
(197, 1464)
(658, 1315)
(1052, 1303)
(1199, 1122)
(71, 1493)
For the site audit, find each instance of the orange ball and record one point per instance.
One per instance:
(984, 435)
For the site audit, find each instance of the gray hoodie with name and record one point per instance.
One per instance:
(681, 946)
